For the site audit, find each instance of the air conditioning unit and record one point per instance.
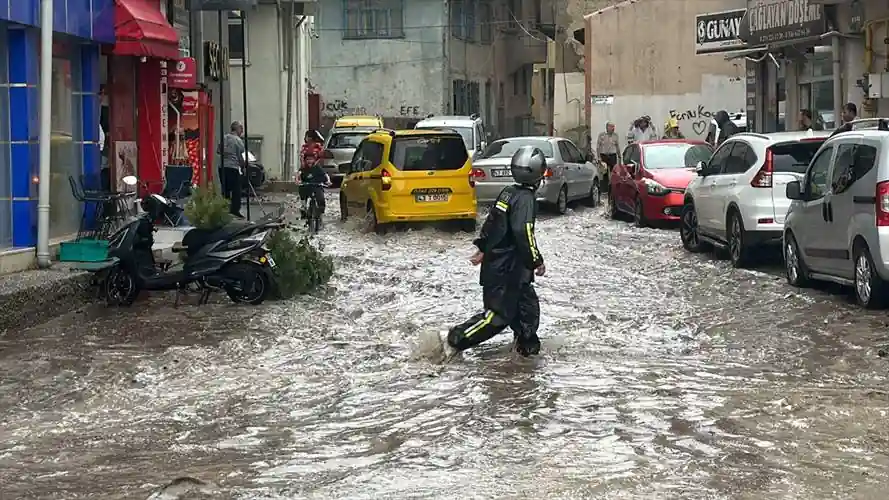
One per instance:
(879, 85)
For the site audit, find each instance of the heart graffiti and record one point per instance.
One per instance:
(699, 127)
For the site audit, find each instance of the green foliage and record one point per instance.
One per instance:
(207, 209)
(301, 267)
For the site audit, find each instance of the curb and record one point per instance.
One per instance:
(34, 297)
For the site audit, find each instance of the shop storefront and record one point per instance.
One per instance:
(79, 30)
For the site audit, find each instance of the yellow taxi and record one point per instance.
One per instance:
(358, 122)
(410, 176)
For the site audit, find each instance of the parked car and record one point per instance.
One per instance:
(471, 129)
(357, 121)
(650, 180)
(339, 148)
(410, 176)
(738, 199)
(837, 228)
(569, 175)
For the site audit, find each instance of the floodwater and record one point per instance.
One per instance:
(663, 375)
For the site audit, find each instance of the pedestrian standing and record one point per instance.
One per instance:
(671, 129)
(608, 146)
(806, 122)
(642, 131)
(509, 258)
(234, 158)
(850, 114)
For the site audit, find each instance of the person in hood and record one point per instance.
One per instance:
(642, 131)
(509, 258)
(721, 128)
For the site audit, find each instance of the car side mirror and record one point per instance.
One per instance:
(632, 167)
(793, 191)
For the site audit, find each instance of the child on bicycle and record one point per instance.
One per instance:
(311, 175)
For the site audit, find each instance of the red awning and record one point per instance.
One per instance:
(141, 30)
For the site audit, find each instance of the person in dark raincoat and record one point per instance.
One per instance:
(509, 258)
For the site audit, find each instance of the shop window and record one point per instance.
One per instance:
(237, 37)
(66, 159)
(5, 166)
(816, 88)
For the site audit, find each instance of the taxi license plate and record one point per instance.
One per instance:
(501, 172)
(430, 197)
(271, 261)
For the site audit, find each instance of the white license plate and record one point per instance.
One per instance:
(271, 261)
(501, 172)
(431, 197)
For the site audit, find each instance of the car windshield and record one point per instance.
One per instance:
(428, 152)
(794, 156)
(345, 140)
(505, 148)
(465, 133)
(675, 155)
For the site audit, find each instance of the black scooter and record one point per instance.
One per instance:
(233, 259)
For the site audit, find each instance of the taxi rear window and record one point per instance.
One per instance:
(428, 152)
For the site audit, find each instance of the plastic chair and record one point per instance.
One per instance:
(85, 198)
(178, 181)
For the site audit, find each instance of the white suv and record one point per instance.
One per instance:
(738, 200)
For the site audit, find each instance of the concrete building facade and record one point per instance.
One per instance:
(657, 74)
(402, 60)
(277, 40)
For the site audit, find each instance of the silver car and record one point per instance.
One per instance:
(339, 148)
(837, 228)
(570, 175)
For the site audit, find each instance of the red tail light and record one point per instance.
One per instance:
(386, 179)
(548, 172)
(763, 178)
(327, 155)
(476, 174)
(882, 208)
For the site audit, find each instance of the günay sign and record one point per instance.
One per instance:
(719, 31)
(770, 21)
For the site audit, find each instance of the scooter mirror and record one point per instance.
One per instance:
(130, 180)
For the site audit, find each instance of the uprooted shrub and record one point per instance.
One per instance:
(301, 266)
(207, 209)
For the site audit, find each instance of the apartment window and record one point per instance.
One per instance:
(463, 19)
(465, 97)
(513, 12)
(237, 37)
(373, 19)
(485, 18)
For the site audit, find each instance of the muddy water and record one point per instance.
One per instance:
(663, 375)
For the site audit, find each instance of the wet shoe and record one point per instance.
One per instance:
(448, 351)
(527, 349)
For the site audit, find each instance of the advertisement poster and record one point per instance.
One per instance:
(126, 160)
(184, 130)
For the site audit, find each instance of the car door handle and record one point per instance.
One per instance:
(825, 211)
(829, 212)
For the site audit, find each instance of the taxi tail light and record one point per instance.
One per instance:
(763, 178)
(327, 155)
(477, 174)
(882, 204)
(548, 172)
(386, 179)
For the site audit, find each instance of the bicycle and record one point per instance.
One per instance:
(313, 210)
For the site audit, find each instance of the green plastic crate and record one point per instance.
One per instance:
(85, 250)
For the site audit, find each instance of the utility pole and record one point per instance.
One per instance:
(244, 97)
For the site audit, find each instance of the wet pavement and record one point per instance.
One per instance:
(663, 375)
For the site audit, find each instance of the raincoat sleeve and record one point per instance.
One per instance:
(521, 223)
(496, 224)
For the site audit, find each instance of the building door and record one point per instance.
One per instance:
(816, 87)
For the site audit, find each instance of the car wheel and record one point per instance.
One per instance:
(639, 214)
(688, 230)
(738, 250)
(562, 201)
(794, 267)
(344, 208)
(595, 194)
(613, 212)
(371, 222)
(870, 289)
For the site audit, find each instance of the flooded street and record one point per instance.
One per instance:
(662, 375)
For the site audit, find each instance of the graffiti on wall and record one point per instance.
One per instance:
(335, 108)
(699, 118)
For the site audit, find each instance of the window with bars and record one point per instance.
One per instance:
(373, 19)
(466, 97)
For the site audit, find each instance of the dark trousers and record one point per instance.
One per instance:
(231, 188)
(609, 159)
(305, 191)
(514, 306)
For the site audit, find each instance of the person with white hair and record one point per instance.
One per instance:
(233, 163)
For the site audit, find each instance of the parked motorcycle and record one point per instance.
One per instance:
(233, 259)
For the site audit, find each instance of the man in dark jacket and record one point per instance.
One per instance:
(723, 126)
(508, 254)
(850, 114)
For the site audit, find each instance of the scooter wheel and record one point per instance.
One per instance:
(120, 288)
(254, 284)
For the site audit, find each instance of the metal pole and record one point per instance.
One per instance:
(837, 81)
(217, 175)
(43, 257)
(244, 97)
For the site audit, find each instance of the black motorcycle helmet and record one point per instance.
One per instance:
(528, 166)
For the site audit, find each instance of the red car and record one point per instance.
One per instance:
(650, 180)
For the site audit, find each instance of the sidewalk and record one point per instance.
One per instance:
(29, 298)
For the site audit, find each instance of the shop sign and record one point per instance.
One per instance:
(184, 75)
(216, 64)
(719, 31)
(165, 118)
(222, 4)
(771, 21)
(750, 89)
